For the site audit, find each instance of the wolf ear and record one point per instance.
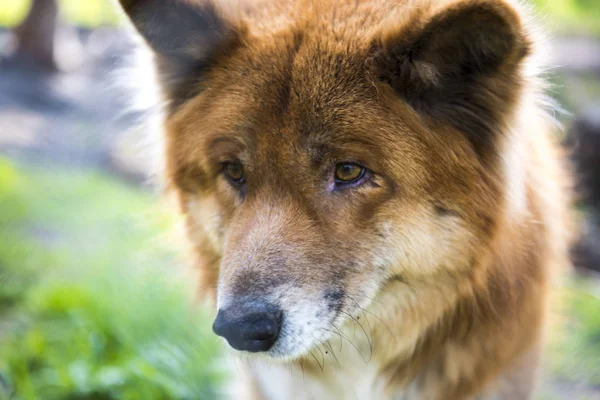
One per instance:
(459, 64)
(187, 37)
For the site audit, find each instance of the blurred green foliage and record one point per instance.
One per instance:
(88, 13)
(575, 347)
(571, 16)
(92, 305)
(582, 16)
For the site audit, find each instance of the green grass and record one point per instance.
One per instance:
(92, 302)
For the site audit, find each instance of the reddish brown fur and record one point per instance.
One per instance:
(448, 251)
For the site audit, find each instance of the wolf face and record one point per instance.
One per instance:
(324, 154)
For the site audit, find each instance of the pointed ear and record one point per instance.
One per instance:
(459, 64)
(187, 37)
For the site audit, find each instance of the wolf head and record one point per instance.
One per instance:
(323, 151)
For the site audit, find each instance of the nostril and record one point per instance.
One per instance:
(246, 328)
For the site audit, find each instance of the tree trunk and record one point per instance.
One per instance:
(36, 35)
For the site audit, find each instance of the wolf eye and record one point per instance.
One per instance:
(348, 173)
(234, 172)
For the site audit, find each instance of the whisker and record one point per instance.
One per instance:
(362, 309)
(339, 334)
(330, 347)
(386, 326)
(364, 331)
(352, 344)
(322, 355)
(317, 361)
(302, 368)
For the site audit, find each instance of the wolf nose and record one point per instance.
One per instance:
(253, 326)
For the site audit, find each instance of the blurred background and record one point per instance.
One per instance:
(95, 301)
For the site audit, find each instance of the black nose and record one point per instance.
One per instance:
(252, 326)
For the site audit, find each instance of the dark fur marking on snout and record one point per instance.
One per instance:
(335, 298)
(253, 282)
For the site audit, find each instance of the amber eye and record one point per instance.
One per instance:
(234, 172)
(346, 173)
